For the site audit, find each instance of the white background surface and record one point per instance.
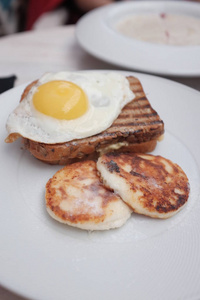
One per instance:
(28, 56)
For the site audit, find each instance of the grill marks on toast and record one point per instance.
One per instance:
(138, 125)
(137, 114)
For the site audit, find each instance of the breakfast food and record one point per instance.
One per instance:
(132, 126)
(151, 185)
(102, 195)
(65, 106)
(68, 117)
(75, 196)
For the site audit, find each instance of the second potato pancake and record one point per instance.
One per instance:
(150, 185)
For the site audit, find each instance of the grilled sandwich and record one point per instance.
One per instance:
(137, 129)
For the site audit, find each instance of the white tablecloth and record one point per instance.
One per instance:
(28, 55)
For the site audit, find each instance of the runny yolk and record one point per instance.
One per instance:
(61, 100)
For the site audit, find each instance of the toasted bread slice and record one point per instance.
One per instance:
(76, 197)
(150, 185)
(137, 129)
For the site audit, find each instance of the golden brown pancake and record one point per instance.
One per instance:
(150, 185)
(76, 197)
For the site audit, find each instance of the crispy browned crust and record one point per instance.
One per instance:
(137, 129)
(27, 89)
(80, 208)
(156, 186)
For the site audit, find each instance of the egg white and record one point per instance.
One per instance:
(107, 95)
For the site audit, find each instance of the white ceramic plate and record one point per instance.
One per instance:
(145, 259)
(96, 34)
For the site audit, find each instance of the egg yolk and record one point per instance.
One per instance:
(61, 100)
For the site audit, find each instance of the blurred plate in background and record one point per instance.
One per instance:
(97, 34)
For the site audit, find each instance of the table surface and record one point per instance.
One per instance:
(29, 55)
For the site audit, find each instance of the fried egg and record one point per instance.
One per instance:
(65, 106)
